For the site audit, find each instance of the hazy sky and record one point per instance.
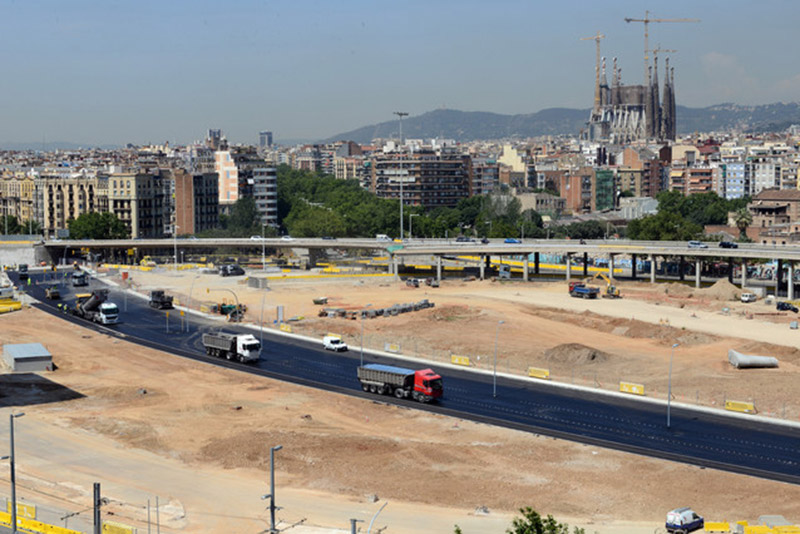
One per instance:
(113, 72)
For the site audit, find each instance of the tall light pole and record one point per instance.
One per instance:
(494, 381)
(271, 496)
(263, 248)
(11, 418)
(411, 225)
(175, 245)
(669, 386)
(400, 115)
(261, 322)
(363, 313)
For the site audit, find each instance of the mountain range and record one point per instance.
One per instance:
(480, 125)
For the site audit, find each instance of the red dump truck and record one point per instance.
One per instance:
(423, 385)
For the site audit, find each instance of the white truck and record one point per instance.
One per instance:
(244, 348)
(93, 307)
(334, 343)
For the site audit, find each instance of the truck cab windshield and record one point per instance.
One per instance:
(252, 346)
(436, 384)
(110, 309)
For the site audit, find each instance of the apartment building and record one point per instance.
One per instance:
(60, 196)
(143, 202)
(196, 200)
(16, 195)
(428, 178)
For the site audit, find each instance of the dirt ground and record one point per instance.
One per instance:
(147, 423)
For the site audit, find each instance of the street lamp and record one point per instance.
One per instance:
(411, 225)
(669, 386)
(363, 313)
(263, 248)
(175, 245)
(271, 496)
(400, 115)
(11, 418)
(496, 336)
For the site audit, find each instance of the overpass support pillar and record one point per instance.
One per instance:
(633, 266)
(652, 269)
(682, 269)
(790, 281)
(610, 266)
(779, 278)
(698, 267)
(395, 267)
(438, 268)
(730, 270)
(569, 266)
(536, 263)
(585, 264)
(483, 266)
(744, 272)
(525, 268)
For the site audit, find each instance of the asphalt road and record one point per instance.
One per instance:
(697, 437)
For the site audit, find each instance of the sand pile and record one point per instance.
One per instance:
(722, 290)
(676, 289)
(575, 353)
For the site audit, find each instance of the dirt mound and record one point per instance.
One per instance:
(676, 289)
(722, 290)
(575, 353)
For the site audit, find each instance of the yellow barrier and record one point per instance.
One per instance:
(757, 529)
(286, 328)
(536, 372)
(117, 528)
(787, 529)
(717, 526)
(33, 525)
(740, 406)
(629, 387)
(459, 360)
(391, 347)
(23, 510)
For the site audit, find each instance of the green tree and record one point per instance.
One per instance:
(10, 225)
(244, 219)
(664, 226)
(533, 523)
(95, 225)
(742, 218)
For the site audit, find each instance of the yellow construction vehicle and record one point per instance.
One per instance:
(612, 292)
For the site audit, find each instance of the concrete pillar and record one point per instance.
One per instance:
(633, 266)
(585, 264)
(682, 269)
(652, 269)
(790, 281)
(438, 268)
(730, 270)
(698, 266)
(610, 266)
(744, 272)
(483, 266)
(569, 266)
(779, 278)
(394, 264)
(525, 267)
(536, 263)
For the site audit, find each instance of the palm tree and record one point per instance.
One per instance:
(742, 218)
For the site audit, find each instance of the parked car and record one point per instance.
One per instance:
(412, 282)
(485, 241)
(749, 297)
(786, 306)
(512, 241)
(464, 239)
(328, 238)
(287, 238)
(697, 244)
(256, 238)
(684, 520)
(728, 244)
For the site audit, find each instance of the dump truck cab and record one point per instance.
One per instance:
(428, 383)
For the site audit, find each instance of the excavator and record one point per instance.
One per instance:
(612, 292)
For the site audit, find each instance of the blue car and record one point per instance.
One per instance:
(512, 241)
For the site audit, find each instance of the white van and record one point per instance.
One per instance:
(749, 297)
(383, 237)
(683, 520)
(334, 343)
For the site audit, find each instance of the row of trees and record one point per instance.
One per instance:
(531, 522)
(10, 225)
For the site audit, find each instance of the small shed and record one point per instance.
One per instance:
(27, 357)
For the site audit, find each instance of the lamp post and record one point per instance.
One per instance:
(271, 496)
(400, 115)
(494, 381)
(362, 332)
(669, 386)
(411, 225)
(175, 245)
(11, 418)
(261, 322)
(263, 248)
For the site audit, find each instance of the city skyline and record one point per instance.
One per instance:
(116, 73)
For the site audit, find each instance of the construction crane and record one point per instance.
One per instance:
(647, 20)
(596, 39)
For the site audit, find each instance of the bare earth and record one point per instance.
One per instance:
(145, 423)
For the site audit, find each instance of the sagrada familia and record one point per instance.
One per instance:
(628, 113)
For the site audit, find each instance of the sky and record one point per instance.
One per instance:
(117, 72)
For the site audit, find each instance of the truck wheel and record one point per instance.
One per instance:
(399, 393)
(372, 389)
(365, 387)
(381, 390)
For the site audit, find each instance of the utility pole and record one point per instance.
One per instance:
(400, 115)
